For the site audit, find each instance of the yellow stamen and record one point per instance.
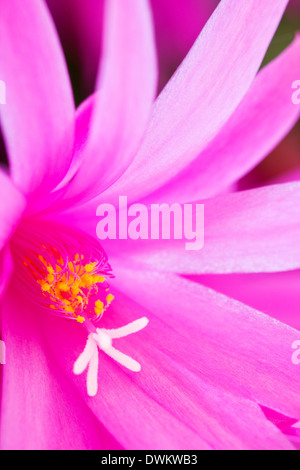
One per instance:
(69, 287)
(45, 287)
(99, 307)
(90, 267)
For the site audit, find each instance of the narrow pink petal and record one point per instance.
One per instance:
(261, 121)
(249, 231)
(280, 420)
(83, 116)
(177, 26)
(57, 200)
(165, 406)
(276, 294)
(230, 344)
(127, 84)
(11, 208)
(203, 93)
(6, 269)
(40, 409)
(38, 116)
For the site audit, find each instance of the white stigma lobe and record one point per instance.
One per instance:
(102, 340)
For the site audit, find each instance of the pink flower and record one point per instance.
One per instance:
(215, 372)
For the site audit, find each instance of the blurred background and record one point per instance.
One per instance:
(177, 25)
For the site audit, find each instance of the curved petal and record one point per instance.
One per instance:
(260, 122)
(233, 346)
(203, 93)
(40, 409)
(57, 200)
(276, 294)
(38, 116)
(250, 231)
(83, 118)
(127, 85)
(166, 406)
(12, 207)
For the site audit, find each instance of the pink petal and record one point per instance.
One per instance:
(166, 406)
(83, 117)
(230, 344)
(203, 93)
(127, 84)
(248, 231)
(276, 294)
(40, 407)
(278, 419)
(6, 270)
(11, 208)
(177, 26)
(57, 200)
(38, 116)
(261, 121)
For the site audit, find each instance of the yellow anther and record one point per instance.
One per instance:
(62, 286)
(99, 307)
(71, 267)
(68, 309)
(87, 280)
(45, 287)
(110, 298)
(72, 286)
(75, 291)
(50, 278)
(90, 267)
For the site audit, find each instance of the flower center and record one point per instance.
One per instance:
(76, 287)
(67, 273)
(69, 276)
